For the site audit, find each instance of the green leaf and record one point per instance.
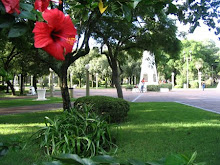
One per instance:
(70, 158)
(6, 24)
(27, 15)
(2, 8)
(175, 159)
(158, 162)
(127, 12)
(53, 163)
(6, 21)
(17, 30)
(193, 157)
(26, 7)
(136, 3)
(88, 161)
(3, 150)
(104, 159)
(135, 162)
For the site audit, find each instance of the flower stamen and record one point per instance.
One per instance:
(69, 40)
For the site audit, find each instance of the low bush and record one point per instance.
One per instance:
(156, 88)
(167, 85)
(113, 109)
(3, 87)
(194, 84)
(129, 87)
(178, 86)
(83, 133)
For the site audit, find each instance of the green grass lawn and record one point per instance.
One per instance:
(19, 128)
(152, 131)
(29, 101)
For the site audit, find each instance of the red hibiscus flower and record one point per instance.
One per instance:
(57, 36)
(41, 5)
(11, 6)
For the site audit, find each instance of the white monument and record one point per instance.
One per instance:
(148, 69)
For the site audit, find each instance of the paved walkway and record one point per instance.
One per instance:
(207, 100)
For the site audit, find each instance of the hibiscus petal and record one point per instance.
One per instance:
(42, 35)
(41, 5)
(11, 6)
(55, 18)
(68, 29)
(67, 45)
(55, 50)
(68, 32)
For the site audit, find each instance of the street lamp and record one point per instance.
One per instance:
(172, 79)
(187, 67)
(51, 82)
(200, 79)
(212, 75)
(87, 79)
(97, 83)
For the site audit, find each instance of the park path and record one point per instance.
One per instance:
(207, 100)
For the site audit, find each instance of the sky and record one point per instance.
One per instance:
(200, 34)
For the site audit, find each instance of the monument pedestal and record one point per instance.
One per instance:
(148, 70)
(41, 94)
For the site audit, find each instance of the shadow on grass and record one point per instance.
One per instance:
(24, 118)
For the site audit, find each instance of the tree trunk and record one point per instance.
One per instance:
(11, 86)
(80, 82)
(22, 85)
(7, 89)
(116, 80)
(35, 82)
(106, 82)
(93, 81)
(64, 90)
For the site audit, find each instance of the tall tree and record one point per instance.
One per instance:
(120, 35)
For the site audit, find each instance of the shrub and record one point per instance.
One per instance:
(129, 87)
(113, 109)
(83, 133)
(208, 82)
(155, 88)
(178, 86)
(3, 87)
(194, 84)
(167, 85)
(180, 79)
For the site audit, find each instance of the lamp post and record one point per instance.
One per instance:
(71, 79)
(212, 75)
(200, 80)
(187, 67)
(87, 79)
(172, 79)
(97, 83)
(51, 82)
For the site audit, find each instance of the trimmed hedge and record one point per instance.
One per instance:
(153, 88)
(167, 85)
(114, 109)
(157, 87)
